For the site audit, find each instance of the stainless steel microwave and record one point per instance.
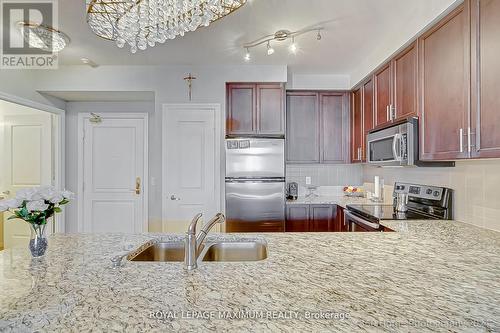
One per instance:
(397, 145)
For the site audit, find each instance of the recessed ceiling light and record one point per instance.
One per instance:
(89, 62)
(44, 38)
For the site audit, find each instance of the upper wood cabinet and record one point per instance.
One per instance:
(444, 67)
(382, 91)
(302, 130)
(405, 73)
(485, 116)
(368, 116)
(255, 109)
(334, 131)
(356, 126)
(362, 117)
(317, 127)
(395, 87)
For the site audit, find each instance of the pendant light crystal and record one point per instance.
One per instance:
(143, 23)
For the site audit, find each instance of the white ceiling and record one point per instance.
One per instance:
(353, 30)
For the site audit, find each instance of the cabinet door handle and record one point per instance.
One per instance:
(393, 112)
(461, 141)
(387, 109)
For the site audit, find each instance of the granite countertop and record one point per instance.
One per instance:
(341, 200)
(429, 276)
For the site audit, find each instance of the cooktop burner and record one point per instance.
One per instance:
(386, 212)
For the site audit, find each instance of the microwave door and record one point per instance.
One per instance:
(383, 150)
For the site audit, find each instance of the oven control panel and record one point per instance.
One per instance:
(419, 191)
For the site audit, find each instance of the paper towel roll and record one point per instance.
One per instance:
(377, 187)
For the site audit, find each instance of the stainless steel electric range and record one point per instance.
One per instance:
(423, 203)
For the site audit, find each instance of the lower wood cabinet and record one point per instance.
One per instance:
(313, 218)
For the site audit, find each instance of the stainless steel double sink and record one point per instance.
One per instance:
(221, 251)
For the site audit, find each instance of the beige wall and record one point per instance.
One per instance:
(476, 185)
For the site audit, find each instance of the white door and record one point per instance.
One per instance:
(114, 174)
(191, 164)
(28, 163)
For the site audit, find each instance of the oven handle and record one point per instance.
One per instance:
(359, 220)
(397, 156)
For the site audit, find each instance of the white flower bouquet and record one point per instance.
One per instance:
(36, 205)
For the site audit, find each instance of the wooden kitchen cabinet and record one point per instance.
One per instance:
(334, 133)
(255, 109)
(317, 127)
(362, 120)
(297, 218)
(271, 109)
(485, 112)
(368, 117)
(303, 121)
(313, 218)
(382, 92)
(356, 126)
(395, 88)
(444, 67)
(322, 218)
(405, 73)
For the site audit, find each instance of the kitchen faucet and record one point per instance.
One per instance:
(194, 243)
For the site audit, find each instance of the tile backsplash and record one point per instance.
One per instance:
(325, 174)
(476, 186)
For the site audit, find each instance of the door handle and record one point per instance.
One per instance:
(397, 156)
(174, 198)
(6, 192)
(138, 185)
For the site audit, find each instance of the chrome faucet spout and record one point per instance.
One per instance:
(194, 243)
(194, 222)
(219, 218)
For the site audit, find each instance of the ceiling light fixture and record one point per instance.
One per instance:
(44, 38)
(143, 23)
(318, 36)
(282, 35)
(293, 46)
(247, 56)
(270, 50)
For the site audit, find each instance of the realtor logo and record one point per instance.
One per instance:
(27, 41)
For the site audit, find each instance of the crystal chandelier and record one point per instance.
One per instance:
(44, 38)
(143, 23)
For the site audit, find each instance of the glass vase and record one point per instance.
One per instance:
(38, 242)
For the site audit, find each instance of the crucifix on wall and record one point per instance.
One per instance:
(189, 79)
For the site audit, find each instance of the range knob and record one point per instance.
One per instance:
(436, 193)
(429, 191)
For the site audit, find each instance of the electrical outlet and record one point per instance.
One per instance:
(308, 180)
